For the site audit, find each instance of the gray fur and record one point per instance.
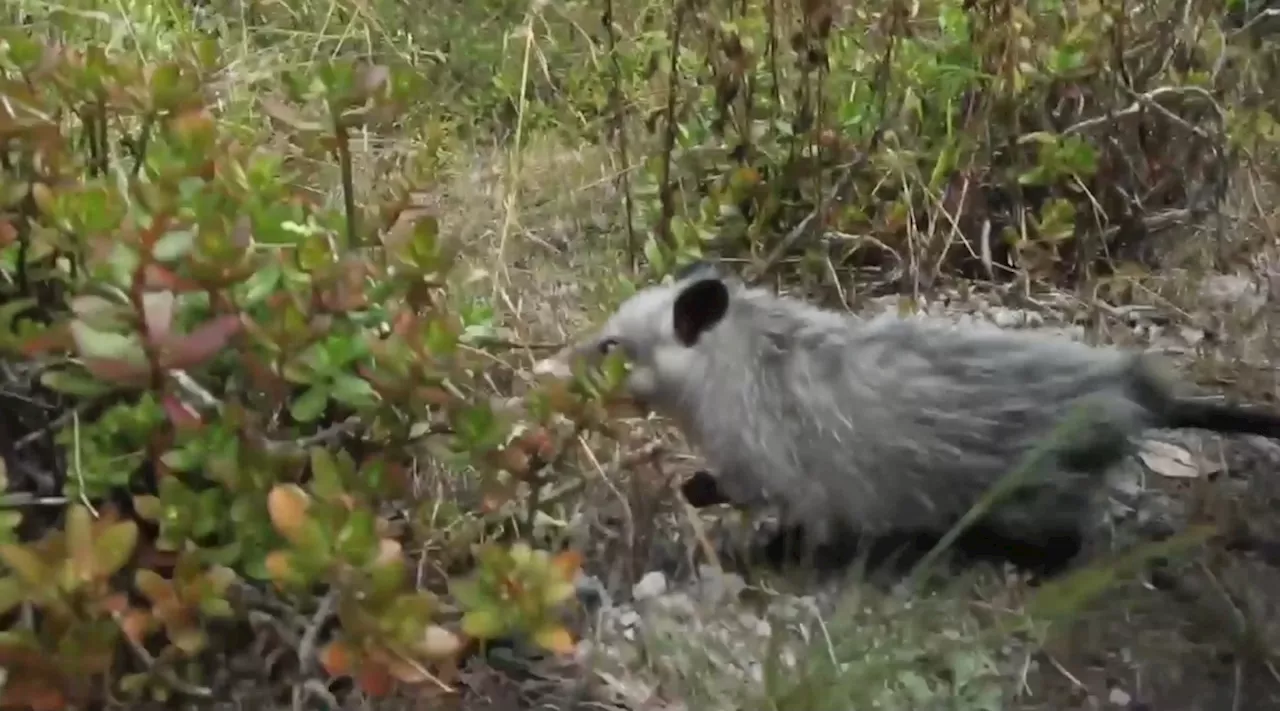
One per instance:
(881, 424)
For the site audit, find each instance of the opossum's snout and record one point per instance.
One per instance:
(557, 366)
(636, 387)
(587, 352)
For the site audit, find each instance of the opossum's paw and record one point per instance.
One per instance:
(796, 546)
(702, 490)
(1043, 557)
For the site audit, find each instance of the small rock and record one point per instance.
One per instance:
(628, 619)
(653, 584)
(1119, 697)
(715, 586)
(677, 604)
(1004, 318)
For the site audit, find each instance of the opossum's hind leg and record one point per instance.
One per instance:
(896, 552)
(1044, 556)
(843, 548)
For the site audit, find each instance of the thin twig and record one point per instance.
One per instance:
(1147, 100)
(163, 673)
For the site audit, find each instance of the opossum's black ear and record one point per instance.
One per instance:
(698, 308)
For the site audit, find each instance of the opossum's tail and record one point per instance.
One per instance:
(1153, 386)
(1222, 417)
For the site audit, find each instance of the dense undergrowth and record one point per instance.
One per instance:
(238, 347)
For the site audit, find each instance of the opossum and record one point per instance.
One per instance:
(890, 426)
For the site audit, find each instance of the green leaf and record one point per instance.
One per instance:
(10, 311)
(440, 341)
(262, 284)
(147, 506)
(1036, 176)
(357, 540)
(190, 639)
(614, 370)
(26, 565)
(326, 480)
(352, 390)
(483, 623)
(945, 164)
(216, 607)
(313, 545)
(386, 579)
(74, 382)
(11, 594)
(174, 245)
(98, 344)
(115, 546)
(182, 460)
(80, 543)
(468, 593)
(425, 243)
(309, 405)
(654, 253)
(9, 522)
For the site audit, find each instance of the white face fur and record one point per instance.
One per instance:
(657, 328)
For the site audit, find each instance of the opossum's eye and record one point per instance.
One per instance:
(607, 345)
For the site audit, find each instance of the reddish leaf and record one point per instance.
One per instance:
(555, 638)
(156, 276)
(403, 323)
(118, 370)
(32, 694)
(151, 234)
(242, 233)
(336, 659)
(287, 506)
(538, 443)
(192, 123)
(56, 338)
(202, 343)
(8, 233)
(347, 293)
(280, 567)
(155, 588)
(135, 623)
(374, 679)
(264, 379)
(494, 494)
(435, 396)
(115, 602)
(157, 313)
(566, 564)
(182, 415)
(514, 460)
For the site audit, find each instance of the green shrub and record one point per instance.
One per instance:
(225, 344)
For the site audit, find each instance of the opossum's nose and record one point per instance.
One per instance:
(557, 366)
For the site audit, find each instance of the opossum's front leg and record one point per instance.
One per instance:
(705, 489)
(702, 490)
(785, 542)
